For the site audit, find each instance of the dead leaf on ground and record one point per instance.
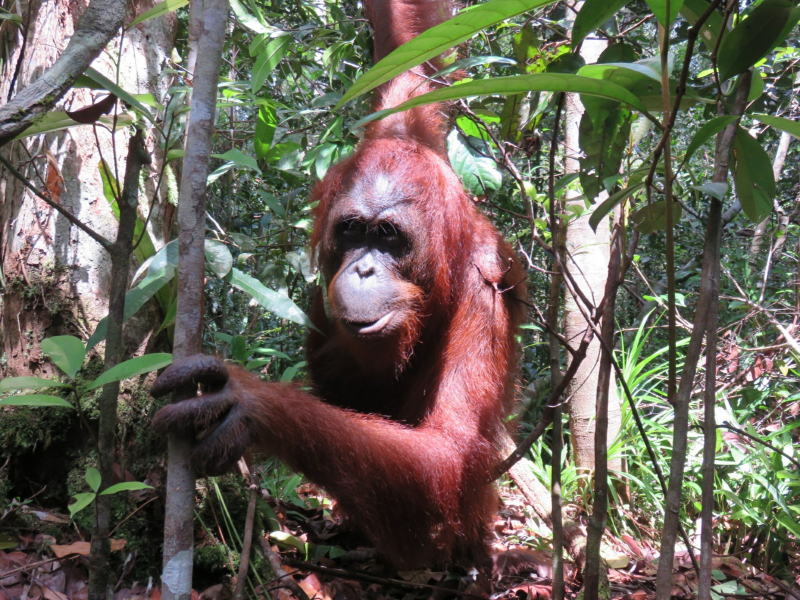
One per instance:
(83, 548)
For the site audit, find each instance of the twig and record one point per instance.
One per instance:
(346, 574)
(277, 568)
(247, 538)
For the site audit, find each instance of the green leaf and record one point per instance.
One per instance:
(218, 258)
(15, 18)
(111, 191)
(121, 94)
(278, 304)
(28, 383)
(125, 486)
(35, 400)
(269, 58)
(755, 36)
(477, 172)
(653, 217)
(246, 20)
(436, 40)
(58, 120)
(712, 127)
(603, 149)
(755, 183)
(93, 478)
(592, 15)
(717, 190)
(135, 299)
(517, 84)
(66, 351)
(235, 155)
(132, 368)
(792, 127)
(609, 203)
(266, 122)
(159, 10)
(280, 151)
(81, 502)
(692, 10)
(659, 8)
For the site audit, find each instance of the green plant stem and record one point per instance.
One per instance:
(709, 288)
(121, 252)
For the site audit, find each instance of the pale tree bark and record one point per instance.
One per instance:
(39, 248)
(176, 578)
(587, 258)
(761, 229)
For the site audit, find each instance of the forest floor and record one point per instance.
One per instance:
(35, 565)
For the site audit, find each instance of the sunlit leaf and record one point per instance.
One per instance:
(472, 162)
(66, 351)
(132, 368)
(792, 127)
(266, 122)
(268, 59)
(218, 257)
(609, 203)
(717, 190)
(592, 15)
(159, 10)
(278, 304)
(537, 82)
(35, 400)
(436, 40)
(125, 486)
(28, 383)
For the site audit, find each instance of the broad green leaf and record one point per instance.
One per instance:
(603, 149)
(755, 184)
(158, 10)
(717, 190)
(268, 59)
(280, 151)
(35, 400)
(81, 502)
(218, 258)
(125, 486)
(15, 18)
(712, 127)
(792, 127)
(471, 160)
(235, 155)
(28, 383)
(278, 304)
(659, 8)
(145, 248)
(592, 15)
(134, 300)
(121, 94)
(246, 20)
(266, 122)
(66, 351)
(692, 10)
(755, 36)
(287, 539)
(57, 120)
(609, 203)
(93, 478)
(436, 40)
(132, 368)
(517, 84)
(653, 217)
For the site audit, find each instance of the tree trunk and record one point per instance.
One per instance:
(587, 258)
(56, 277)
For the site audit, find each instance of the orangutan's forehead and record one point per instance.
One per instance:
(377, 194)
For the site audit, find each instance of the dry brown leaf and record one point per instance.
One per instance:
(82, 548)
(51, 594)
